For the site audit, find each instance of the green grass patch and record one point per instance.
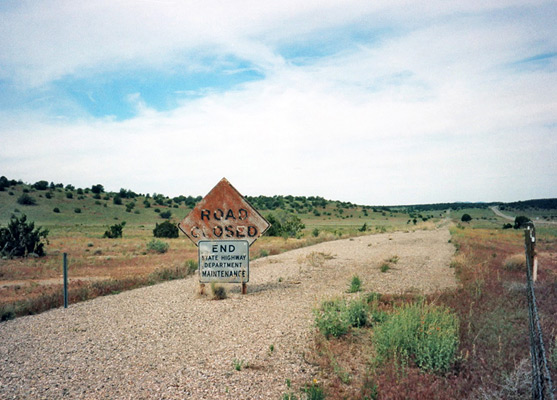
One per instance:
(426, 334)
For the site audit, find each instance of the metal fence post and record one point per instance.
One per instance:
(65, 280)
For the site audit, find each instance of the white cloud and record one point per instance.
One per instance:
(435, 111)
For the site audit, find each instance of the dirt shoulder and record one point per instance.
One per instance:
(166, 341)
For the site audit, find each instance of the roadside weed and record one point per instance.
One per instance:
(425, 333)
(238, 364)
(355, 284)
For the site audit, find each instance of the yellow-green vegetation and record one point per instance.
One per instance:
(355, 284)
(425, 333)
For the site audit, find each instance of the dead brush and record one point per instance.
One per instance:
(516, 262)
(317, 259)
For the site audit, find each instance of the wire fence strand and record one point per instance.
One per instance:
(542, 386)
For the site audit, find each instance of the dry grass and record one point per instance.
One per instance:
(516, 262)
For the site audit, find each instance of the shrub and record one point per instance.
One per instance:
(466, 218)
(117, 200)
(219, 292)
(315, 232)
(332, 318)
(385, 267)
(520, 222)
(192, 266)
(166, 214)
(157, 245)
(114, 231)
(41, 185)
(285, 225)
(357, 313)
(20, 238)
(77, 210)
(26, 200)
(355, 284)
(424, 333)
(165, 230)
(97, 189)
(507, 226)
(56, 210)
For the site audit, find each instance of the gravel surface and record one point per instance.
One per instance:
(167, 341)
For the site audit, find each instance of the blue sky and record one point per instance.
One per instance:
(384, 102)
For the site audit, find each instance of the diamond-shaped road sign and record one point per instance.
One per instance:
(224, 214)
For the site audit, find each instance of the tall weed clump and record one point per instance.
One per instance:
(424, 333)
(336, 317)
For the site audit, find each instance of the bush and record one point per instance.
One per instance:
(424, 333)
(166, 214)
(97, 189)
(285, 225)
(56, 210)
(41, 185)
(332, 318)
(114, 231)
(117, 200)
(357, 313)
(20, 238)
(69, 195)
(466, 218)
(77, 210)
(355, 284)
(520, 222)
(336, 317)
(165, 230)
(219, 292)
(157, 245)
(26, 200)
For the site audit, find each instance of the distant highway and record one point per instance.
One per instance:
(498, 212)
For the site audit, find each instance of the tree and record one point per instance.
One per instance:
(114, 231)
(41, 185)
(97, 189)
(466, 218)
(20, 238)
(285, 225)
(165, 230)
(520, 222)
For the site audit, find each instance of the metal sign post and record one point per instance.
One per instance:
(65, 280)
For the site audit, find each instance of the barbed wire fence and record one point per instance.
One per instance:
(542, 386)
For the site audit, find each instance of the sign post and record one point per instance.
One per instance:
(223, 225)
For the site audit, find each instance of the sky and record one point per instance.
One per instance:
(379, 102)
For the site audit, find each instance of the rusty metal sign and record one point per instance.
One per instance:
(223, 261)
(224, 214)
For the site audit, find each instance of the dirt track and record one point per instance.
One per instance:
(166, 341)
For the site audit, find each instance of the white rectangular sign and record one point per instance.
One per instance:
(223, 261)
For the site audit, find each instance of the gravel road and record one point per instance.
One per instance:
(167, 341)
